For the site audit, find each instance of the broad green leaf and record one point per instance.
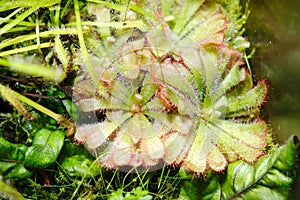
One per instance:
(71, 108)
(32, 126)
(19, 171)
(11, 151)
(269, 178)
(11, 160)
(211, 190)
(46, 146)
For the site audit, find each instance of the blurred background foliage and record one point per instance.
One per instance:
(274, 31)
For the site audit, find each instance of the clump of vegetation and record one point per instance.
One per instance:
(159, 92)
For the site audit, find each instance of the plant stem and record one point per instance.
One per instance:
(85, 55)
(34, 69)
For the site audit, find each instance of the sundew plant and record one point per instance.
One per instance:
(134, 100)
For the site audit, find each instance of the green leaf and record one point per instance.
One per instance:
(80, 165)
(32, 126)
(245, 140)
(116, 195)
(11, 160)
(18, 172)
(76, 160)
(206, 25)
(234, 77)
(46, 146)
(36, 5)
(11, 151)
(189, 9)
(91, 104)
(94, 135)
(189, 191)
(269, 178)
(136, 194)
(253, 98)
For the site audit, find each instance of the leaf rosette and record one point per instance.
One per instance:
(229, 127)
(174, 94)
(151, 98)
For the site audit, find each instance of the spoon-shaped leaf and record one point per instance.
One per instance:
(253, 98)
(94, 135)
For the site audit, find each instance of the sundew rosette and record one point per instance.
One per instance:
(175, 95)
(151, 98)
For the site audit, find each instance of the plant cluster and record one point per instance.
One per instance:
(173, 91)
(159, 92)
